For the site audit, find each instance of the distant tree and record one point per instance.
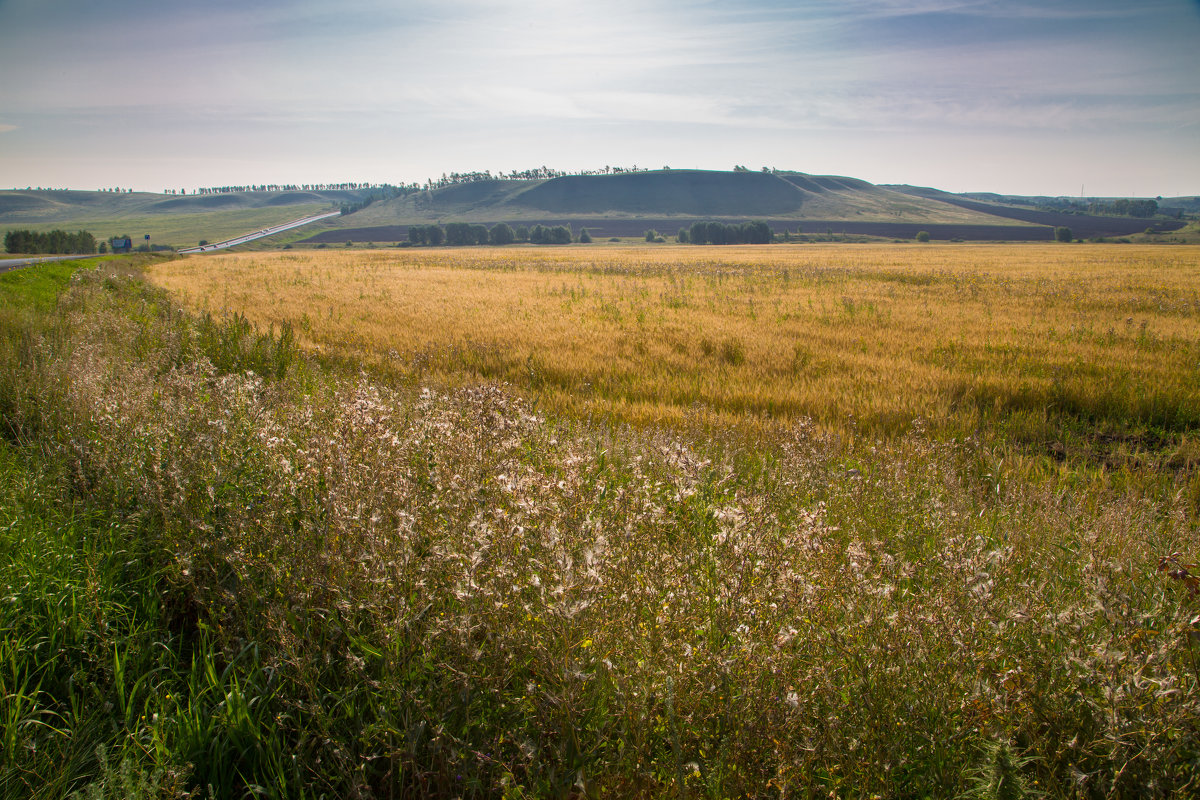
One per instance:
(561, 234)
(459, 234)
(682, 236)
(756, 232)
(480, 234)
(651, 235)
(584, 236)
(434, 235)
(502, 234)
(14, 241)
(1063, 234)
(923, 236)
(522, 233)
(56, 241)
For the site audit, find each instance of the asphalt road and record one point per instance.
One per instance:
(17, 263)
(249, 237)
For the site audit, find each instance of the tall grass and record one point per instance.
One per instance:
(358, 589)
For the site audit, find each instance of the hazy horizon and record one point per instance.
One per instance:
(1051, 98)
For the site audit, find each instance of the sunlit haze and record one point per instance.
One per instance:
(1058, 97)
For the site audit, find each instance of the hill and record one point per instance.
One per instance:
(625, 204)
(621, 204)
(1051, 212)
(665, 194)
(175, 220)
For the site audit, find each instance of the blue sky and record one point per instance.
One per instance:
(1023, 97)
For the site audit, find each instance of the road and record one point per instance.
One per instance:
(249, 237)
(16, 263)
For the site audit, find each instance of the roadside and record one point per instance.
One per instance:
(17, 263)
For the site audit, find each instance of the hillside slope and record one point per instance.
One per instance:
(1015, 207)
(176, 220)
(666, 194)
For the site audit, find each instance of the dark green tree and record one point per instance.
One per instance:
(1063, 234)
(502, 234)
(923, 236)
(56, 241)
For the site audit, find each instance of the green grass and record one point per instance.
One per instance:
(83, 667)
(37, 287)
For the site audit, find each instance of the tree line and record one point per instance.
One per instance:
(1142, 209)
(396, 190)
(756, 232)
(1123, 207)
(57, 242)
(300, 187)
(535, 174)
(385, 192)
(460, 234)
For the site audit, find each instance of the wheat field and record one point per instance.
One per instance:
(1040, 337)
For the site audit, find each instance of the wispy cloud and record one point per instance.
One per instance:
(5, 128)
(513, 81)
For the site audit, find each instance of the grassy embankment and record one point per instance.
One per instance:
(321, 581)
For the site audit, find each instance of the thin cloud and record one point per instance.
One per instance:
(460, 84)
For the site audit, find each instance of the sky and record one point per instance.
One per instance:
(1054, 97)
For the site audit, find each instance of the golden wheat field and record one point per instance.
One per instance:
(884, 334)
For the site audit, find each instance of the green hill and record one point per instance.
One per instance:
(176, 220)
(688, 192)
(683, 194)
